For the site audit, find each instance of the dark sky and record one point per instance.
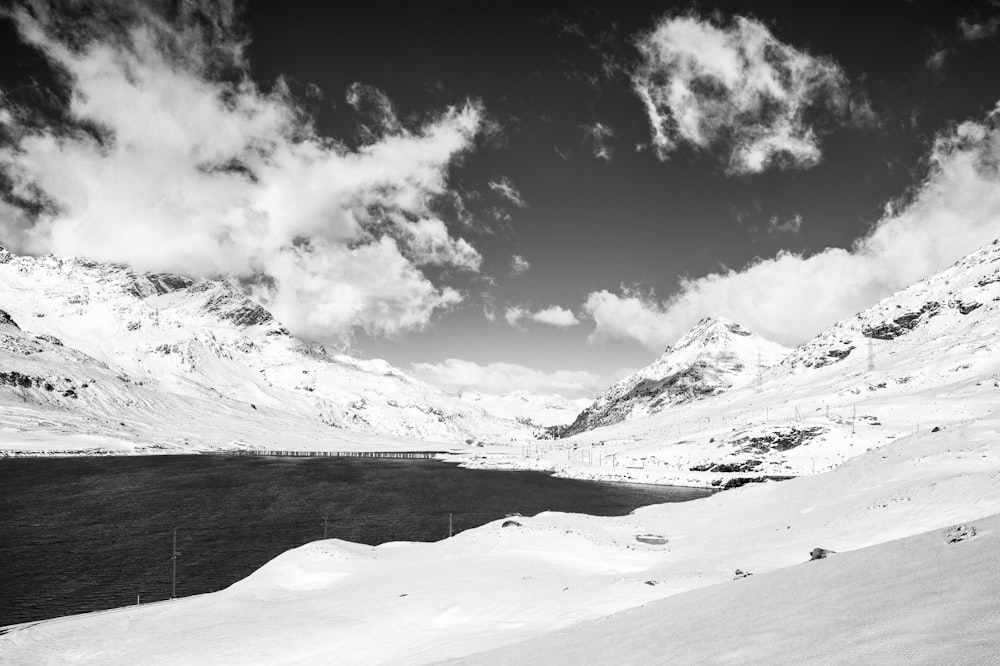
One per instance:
(548, 74)
(592, 224)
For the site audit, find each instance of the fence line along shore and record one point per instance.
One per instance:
(423, 455)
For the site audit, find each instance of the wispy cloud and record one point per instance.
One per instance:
(506, 189)
(599, 138)
(792, 225)
(499, 378)
(736, 89)
(975, 30)
(791, 297)
(198, 173)
(519, 265)
(553, 315)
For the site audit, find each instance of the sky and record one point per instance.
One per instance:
(537, 197)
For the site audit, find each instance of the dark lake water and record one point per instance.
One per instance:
(83, 534)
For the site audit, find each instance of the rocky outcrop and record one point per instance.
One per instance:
(7, 320)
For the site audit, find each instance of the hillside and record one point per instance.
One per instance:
(926, 357)
(118, 360)
(712, 358)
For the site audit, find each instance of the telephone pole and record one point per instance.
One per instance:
(173, 557)
(449, 524)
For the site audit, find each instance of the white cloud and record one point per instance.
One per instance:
(556, 316)
(506, 189)
(736, 89)
(499, 378)
(791, 297)
(519, 265)
(553, 315)
(792, 225)
(973, 31)
(201, 176)
(599, 137)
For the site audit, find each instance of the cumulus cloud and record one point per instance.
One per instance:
(736, 89)
(553, 315)
(506, 189)
(167, 164)
(498, 378)
(791, 297)
(519, 265)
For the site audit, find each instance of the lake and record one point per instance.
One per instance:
(89, 533)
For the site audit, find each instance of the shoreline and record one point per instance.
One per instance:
(714, 481)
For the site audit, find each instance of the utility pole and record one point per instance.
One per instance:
(324, 527)
(174, 555)
(449, 525)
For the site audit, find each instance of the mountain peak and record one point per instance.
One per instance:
(716, 355)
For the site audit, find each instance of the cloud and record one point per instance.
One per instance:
(973, 31)
(599, 137)
(519, 265)
(499, 378)
(937, 60)
(792, 225)
(556, 316)
(505, 188)
(553, 315)
(168, 165)
(791, 297)
(736, 90)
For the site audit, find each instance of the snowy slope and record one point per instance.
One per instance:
(168, 350)
(544, 409)
(713, 357)
(406, 603)
(934, 354)
(923, 599)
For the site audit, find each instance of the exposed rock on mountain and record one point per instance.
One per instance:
(713, 357)
(200, 360)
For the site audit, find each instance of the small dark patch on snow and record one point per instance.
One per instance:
(966, 308)
(778, 440)
(510, 523)
(6, 319)
(741, 574)
(936, 429)
(903, 324)
(820, 554)
(746, 466)
(738, 481)
(651, 539)
(959, 533)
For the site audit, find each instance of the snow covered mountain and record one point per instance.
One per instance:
(154, 360)
(926, 357)
(543, 409)
(713, 357)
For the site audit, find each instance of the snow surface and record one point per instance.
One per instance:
(914, 600)
(335, 602)
(821, 405)
(544, 409)
(159, 363)
(907, 448)
(713, 357)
